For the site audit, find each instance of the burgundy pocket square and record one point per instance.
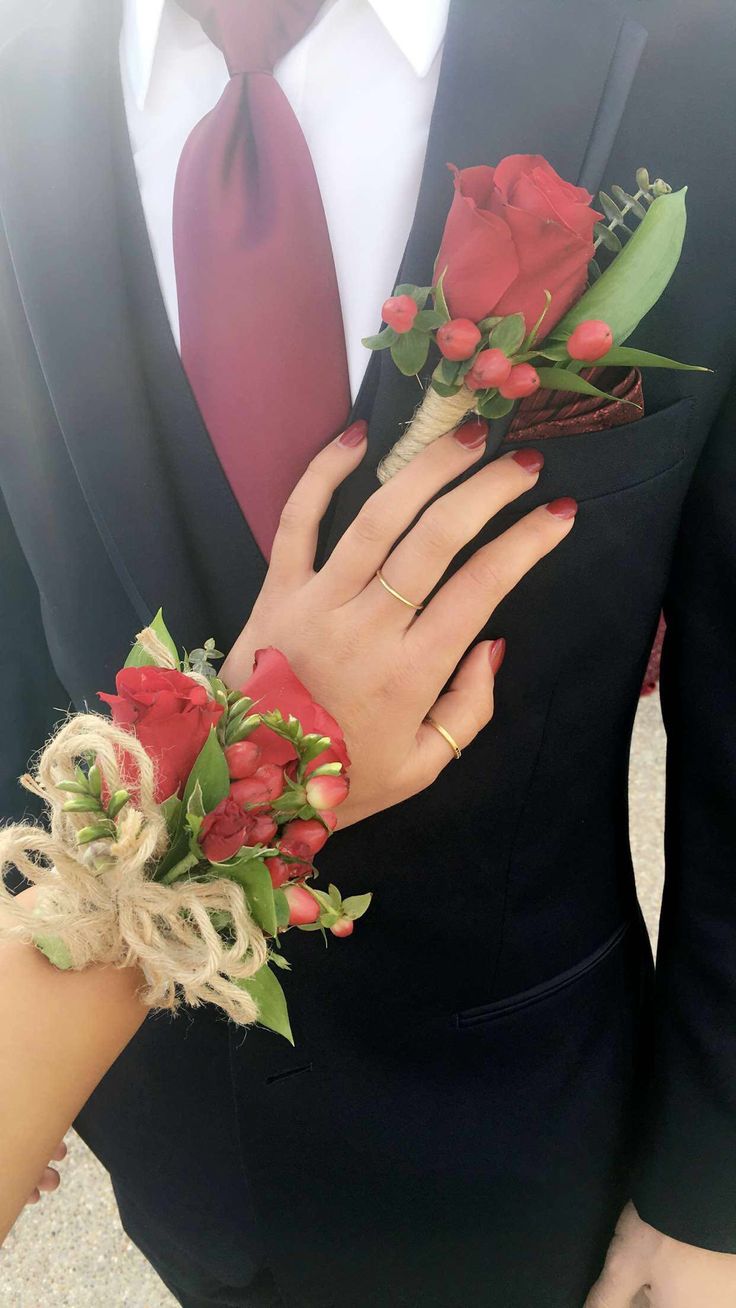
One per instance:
(544, 414)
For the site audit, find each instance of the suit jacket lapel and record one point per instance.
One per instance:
(72, 214)
(517, 77)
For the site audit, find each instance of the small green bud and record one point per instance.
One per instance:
(118, 802)
(94, 780)
(83, 804)
(100, 832)
(72, 787)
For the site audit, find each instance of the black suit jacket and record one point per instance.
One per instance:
(473, 1092)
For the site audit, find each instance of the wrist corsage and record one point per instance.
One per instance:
(183, 831)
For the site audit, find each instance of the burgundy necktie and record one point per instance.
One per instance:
(262, 338)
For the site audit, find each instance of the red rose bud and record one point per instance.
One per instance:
(261, 829)
(266, 785)
(590, 340)
(458, 339)
(223, 831)
(280, 871)
(327, 792)
(303, 838)
(303, 907)
(343, 927)
(491, 368)
(399, 312)
(242, 759)
(523, 380)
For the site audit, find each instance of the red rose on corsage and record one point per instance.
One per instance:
(273, 685)
(171, 716)
(512, 232)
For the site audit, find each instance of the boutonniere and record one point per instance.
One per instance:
(532, 286)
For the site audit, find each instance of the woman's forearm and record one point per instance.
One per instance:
(59, 1033)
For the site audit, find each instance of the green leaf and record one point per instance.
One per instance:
(356, 906)
(335, 897)
(486, 324)
(594, 271)
(281, 904)
(427, 320)
(610, 208)
(420, 294)
(210, 772)
(195, 803)
(252, 874)
(624, 199)
(447, 372)
(622, 356)
(509, 333)
(557, 353)
(382, 341)
(607, 238)
(445, 391)
(172, 815)
(138, 658)
(410, 352)
(559, 379)
(56, 951)
(636, 279)
(440, 303)
(531, 338)
(266, 990)
(496, 406)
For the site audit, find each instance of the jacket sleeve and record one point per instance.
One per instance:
(686, 1182)
(32, 698)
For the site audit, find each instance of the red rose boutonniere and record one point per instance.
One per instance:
(532, 285)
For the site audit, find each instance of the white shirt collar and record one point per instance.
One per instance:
(417, 27)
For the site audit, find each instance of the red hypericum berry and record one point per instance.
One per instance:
(457, 339)
(343, 927)
(272, 777)
(327, 792)
(242, 759)
(399, 312)
(491, 368)
(304, 837)
(590, 340)
(303, 907)
(523, 380)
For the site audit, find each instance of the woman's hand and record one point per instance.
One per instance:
(378, 665)
(49, 1179)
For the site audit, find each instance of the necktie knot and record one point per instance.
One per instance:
(253, 34)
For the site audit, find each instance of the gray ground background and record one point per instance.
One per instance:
(70, 1251)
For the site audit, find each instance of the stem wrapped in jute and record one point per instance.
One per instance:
(436, 415)
(99, 901)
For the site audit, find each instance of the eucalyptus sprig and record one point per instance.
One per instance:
(617, 207)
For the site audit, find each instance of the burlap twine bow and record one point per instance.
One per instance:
(99, 900)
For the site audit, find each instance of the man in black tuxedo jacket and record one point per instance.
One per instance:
(469, 1105)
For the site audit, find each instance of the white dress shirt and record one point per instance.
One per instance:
(362, 83)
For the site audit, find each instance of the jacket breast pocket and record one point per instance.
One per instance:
(603, 462)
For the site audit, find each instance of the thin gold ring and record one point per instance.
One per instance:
(445, 735)
(409, 604)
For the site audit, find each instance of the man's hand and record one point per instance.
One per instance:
(644, 1267)
(49, 1179)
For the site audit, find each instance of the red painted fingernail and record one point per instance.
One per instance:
(530, 460)
(564, 508)
(354, 435)
(497, 654)
(472, 433)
